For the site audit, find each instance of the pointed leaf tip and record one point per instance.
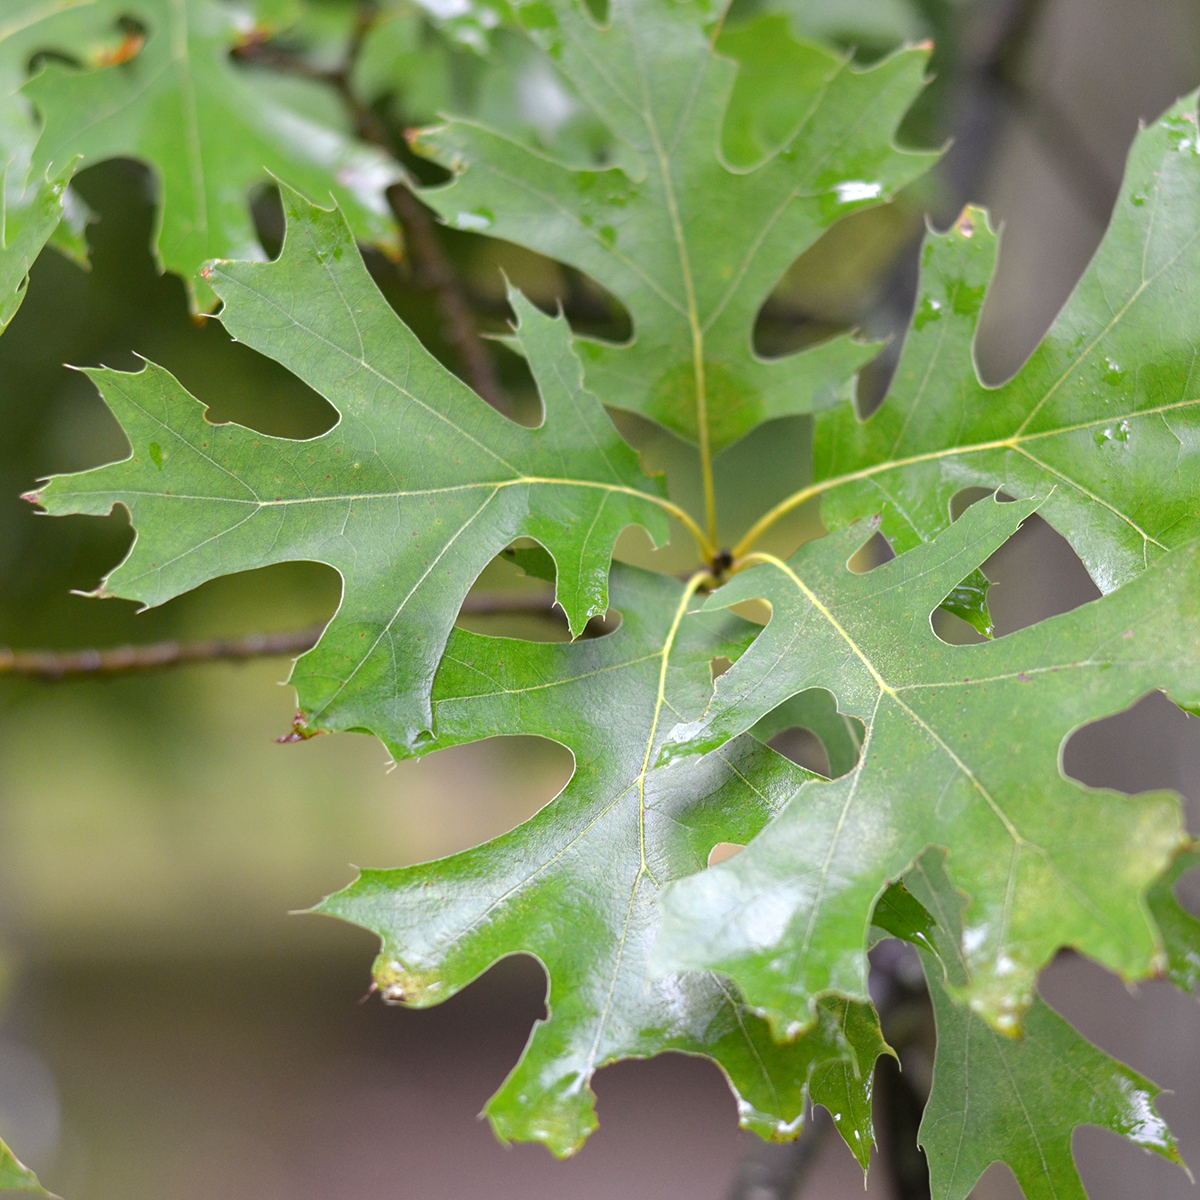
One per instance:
(16, 1177)
(623, 225)
(784, 919)
(417, 463)
(596, 858)
(1092, 409)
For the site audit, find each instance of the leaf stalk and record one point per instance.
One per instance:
(796, 499)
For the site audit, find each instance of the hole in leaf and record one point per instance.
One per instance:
(871, 554)
(961, 501)
(513, 597)
(603, 626)
(723, 851)
(1146, 747)
(810, 716)
(802, 747)
(757, 611)
(719, 666)
(998, 1183)
(1187, 890)
(963, 617)
(953, 630)
(250, 389)
(266, 210)
(858, 274)
(462, 796)
(1035, 575)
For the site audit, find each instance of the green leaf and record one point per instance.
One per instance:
(24, 231)
(1104, 412)
(1017, 1101)
(425, 77)
(689, 243)
(1179, 928)
(865, 24)
(31, 209)
(577, 886)
(969, 603)
(470, 23)
(900, 914)
(961, 750)
(16, 1177)
(816, 710)
(28, 27)
(409, 496)
(212, 131)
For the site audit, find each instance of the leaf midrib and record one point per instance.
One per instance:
(1020, 842)
(1014, 442)
(602, 1018)
(34, 16)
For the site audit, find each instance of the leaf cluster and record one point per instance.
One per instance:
(694, 164)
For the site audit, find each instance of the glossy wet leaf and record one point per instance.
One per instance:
(691, 245)
(409, 496)
(1180, 929)
(1014, 1100)
(1105, 412)
(689, 182)
(578, 884)
(968, 602)
(961, 750)
(210, 129)
(16, 1177)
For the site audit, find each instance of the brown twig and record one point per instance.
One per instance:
(436, 275)
(53, 665)
(432, 270)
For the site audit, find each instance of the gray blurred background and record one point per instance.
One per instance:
(167, 1030)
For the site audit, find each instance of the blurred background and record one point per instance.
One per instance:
(167, 1029)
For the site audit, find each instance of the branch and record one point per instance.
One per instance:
(432, 270)
(435, 273)
(51, 665)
